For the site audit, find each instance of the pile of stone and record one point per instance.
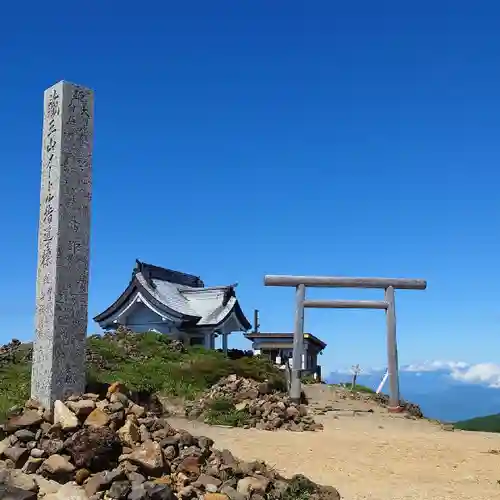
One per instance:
(411, 409)
(266, 409)
(113, 449)
(14, 351)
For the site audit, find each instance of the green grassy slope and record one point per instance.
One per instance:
(144, 363)
(490, 423)
(358, 388)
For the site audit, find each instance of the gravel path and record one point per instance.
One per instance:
(374, 456)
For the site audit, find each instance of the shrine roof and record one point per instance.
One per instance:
(179, 295)
(287, 335)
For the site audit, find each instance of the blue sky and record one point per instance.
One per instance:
(235, 139)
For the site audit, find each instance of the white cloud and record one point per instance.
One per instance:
(432, 366)
(481, 373)
(364, 371)
(487, 374)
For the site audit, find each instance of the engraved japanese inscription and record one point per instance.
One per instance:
(63, 244)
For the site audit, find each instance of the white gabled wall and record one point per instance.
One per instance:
(140, 316)
(231, 325)
(142, 319)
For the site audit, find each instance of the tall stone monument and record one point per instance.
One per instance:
(63, 244)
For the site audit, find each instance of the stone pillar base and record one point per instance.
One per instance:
(395, 409)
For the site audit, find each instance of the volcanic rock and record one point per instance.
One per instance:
(143, 459)
(94, 448)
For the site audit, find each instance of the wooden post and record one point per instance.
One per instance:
(208, 340)
(345, 304)
(392, 350)
(224, 343)
(355, 372)
(256, 321)
(298, 343)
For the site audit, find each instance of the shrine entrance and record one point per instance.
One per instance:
(388, 304)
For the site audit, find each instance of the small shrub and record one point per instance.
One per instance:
(308, 380)
(14, 387)
(299, 488)
(237, 353)
(358, 388)
(222, 411)
(221, 405)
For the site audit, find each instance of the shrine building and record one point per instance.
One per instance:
(279, 348)
(176, 304)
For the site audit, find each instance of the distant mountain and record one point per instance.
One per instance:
(491, 423)
(439, 392)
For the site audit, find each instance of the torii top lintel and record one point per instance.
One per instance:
(345, 282)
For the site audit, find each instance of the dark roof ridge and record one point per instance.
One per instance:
(189, 289)
(151, 272)
(284, 335)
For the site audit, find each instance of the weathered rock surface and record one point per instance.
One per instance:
(97, 418)
(94, 449)
(82, 408)
(65, 417)
(30, 418)
(130, 453)
(68, 491)
(13, 493)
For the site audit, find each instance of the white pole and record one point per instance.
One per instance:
(384, 379)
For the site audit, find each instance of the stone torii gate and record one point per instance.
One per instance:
(388, 284)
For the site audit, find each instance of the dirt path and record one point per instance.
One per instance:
(374, 456)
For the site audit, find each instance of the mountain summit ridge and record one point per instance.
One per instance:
(446, 391)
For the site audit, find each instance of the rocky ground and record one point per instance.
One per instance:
(334, 399)
(373, 455)
(114, 449)
(253, 404)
